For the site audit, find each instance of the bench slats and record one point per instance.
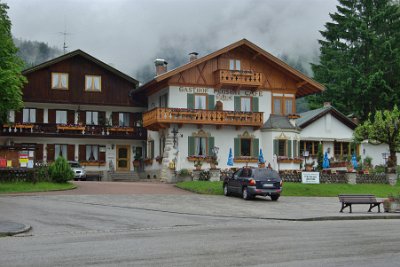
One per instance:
(348, 200)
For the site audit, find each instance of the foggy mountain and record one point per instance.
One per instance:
(34, 52)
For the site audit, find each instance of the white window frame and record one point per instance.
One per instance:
(123, 119)
(200, 101)
(29, 115)
(92, 118)
(61, 117)
(60, 148)
(245, 104)
(93, 83)
(92, 150)
(59, 80)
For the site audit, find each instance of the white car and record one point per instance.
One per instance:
(79, 171)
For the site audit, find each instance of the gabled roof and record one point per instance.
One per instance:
(278, 122)
(308, 117)
(315, 87)
(85, 55)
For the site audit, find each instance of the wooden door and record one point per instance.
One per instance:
(123, 158)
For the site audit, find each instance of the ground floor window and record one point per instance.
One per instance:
(310, 146)
(246, 145)
(92, 152)
(286, 148)
(200, 144)
(344, 149)
(61, 151)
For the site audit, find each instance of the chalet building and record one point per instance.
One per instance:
(239, 98)
(79, 107)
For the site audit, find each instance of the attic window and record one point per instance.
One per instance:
(234, 64)
(93, 83)
(59, 80)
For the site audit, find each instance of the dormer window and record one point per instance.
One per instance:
(92, 83)
(59, 80)
(234, 64)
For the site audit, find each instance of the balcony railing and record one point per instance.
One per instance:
(161, 117)
(84, 131)
(239, 78)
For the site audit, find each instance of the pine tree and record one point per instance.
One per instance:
(11, 79)
(360, 57)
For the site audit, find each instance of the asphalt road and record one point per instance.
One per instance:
(70, 231)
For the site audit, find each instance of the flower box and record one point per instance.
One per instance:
(71, 127)
(121, 129)
(245, 160)
(298, 161)
(93, 163)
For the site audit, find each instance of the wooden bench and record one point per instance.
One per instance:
(348, 200)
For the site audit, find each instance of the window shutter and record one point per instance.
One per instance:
(237, 147)
(276, 147)
(18, 116)
(102, 155)
(82, 152)
(39, 152)
(115, 118)
(101, 118)
(191, 145)
(52, 116)
(132, 119)
(237, 103)
(50, 152)
(254, 102)
(39, 115)
(82, 117)
(295, 148)
(211, 144)
(71, 152)
(289, 148)
(70, 117)
(190, 101)
(211, 102)
(256, 147)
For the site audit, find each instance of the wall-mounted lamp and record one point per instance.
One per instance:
(112, 146)
(328, 150)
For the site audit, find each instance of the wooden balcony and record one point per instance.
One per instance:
(159, 118)
(238, 78)
(74, 131)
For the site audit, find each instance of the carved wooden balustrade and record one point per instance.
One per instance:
(239, 78)
(161, 117)
(91, 131)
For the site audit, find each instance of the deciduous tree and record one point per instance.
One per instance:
(383, 127)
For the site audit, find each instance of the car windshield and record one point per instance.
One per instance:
(264, 174)
(74, 165)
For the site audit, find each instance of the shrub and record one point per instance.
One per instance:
(60, 171)
(42, 173)
(184, 172)
(379, 169)
(204, 176)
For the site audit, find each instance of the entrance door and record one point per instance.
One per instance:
(123, 158)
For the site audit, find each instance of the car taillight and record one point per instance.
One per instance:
(252, 182)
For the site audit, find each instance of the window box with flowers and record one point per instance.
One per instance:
(121, 129)
(93, 163)
(283, 159)
(71, 127)
(245, 159)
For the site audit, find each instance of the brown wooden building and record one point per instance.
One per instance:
(78, 107)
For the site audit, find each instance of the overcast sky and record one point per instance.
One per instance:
(130, 34)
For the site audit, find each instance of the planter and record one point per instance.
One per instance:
(136, 163)
(215, 175)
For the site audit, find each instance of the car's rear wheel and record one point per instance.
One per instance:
(226, 190)
(245, 194)
(275, 197)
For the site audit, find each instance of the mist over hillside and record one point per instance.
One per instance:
(35, 52)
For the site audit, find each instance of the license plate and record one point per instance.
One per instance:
(268, 185)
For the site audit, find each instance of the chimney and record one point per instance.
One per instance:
(327, 104)
(193, 56)
(161, 66)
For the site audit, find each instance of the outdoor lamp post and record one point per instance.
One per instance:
(305, 155)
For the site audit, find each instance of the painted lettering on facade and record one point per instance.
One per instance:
(194, 90)
(228, 94)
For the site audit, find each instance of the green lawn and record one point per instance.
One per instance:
(299, 189)
(23, 187)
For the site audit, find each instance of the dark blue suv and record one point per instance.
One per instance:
(250, 182)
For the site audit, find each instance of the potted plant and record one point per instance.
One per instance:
(198, 164)
(159, 159)
(136, 161)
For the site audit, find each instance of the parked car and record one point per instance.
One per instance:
(79, 171)
(250, 182)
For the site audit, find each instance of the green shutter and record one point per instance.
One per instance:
(276, 147)
(289, 148)
(191, 145)
(190, 101)
(211, 144)
(237, 147)
(237, 103)
(295, 149)
(254, 102)
(256, 147)
(211, 102)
